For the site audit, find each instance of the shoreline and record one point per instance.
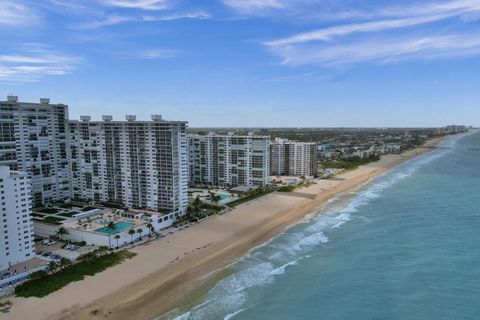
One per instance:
(171, 272)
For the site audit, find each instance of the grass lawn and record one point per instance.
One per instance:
(286, 189)
(67, 205)
(35, 214)
(88, 208)
(53, 220)
(238, 202)
(68, 214)
(53, 282)
(48, 210)
(298, 186)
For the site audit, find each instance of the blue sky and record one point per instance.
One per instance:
(312, 63)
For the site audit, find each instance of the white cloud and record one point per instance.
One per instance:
(178, 16)
(108, 20)
(30, 66)
(328, 34)
(254, 6)
(385, 51)
(138, 4)
(159, 54)
(114, 19)
(17, 14)
(385, 39)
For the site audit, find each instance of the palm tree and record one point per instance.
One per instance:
(216, 199)
(89, 256)
(52, 266)
(111, 227)
(140, 231)
(61, 232)
(64, 262)
(196, 206)
(211, 195)
(131, 232)
(117, 237)
(150, 228)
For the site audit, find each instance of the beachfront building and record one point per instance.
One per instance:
(16, 228)
(33, 139)
(106, 226)
(136, 164)
(291, 158)
(229, 160)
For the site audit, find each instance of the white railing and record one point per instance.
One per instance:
(19, 277)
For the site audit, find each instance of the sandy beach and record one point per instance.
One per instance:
(168, 272)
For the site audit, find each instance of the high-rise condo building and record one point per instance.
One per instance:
(34, 140)
(293, 158)
(229, 160)
(137, 164)
(16, 228)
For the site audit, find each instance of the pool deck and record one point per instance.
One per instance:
(119, 226)
(100, 221)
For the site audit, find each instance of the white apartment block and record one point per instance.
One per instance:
(229, 160)
(293, 158)
(33, 139)
(137, 164)
(16, 227)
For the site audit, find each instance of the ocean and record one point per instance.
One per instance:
(404, 246)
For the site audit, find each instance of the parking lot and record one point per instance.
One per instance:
(56, 251)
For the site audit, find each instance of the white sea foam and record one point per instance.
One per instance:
(231, 315)
(313, 240)
(281, 270)
(184, 316)
(261, 267)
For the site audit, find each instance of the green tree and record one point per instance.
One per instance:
(117, 237)
(197, 205)
(38, 275)
(61, 232)
(53, 266)
(89, 256)
(150, 228)
(131, 232)
(111, 226)
(102, 250)
(140, 232)
(215, 198)
(64, 262)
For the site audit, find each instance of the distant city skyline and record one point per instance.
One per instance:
(248, 63)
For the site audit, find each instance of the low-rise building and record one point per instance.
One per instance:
(107, 227)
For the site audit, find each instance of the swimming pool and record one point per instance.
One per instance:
(224, 197)
(119, 226)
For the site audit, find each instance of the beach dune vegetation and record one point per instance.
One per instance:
(42, 283)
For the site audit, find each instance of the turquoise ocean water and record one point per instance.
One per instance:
(404, 246)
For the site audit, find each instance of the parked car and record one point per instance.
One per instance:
(48, 242)
(71, 247)
(55, 256)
